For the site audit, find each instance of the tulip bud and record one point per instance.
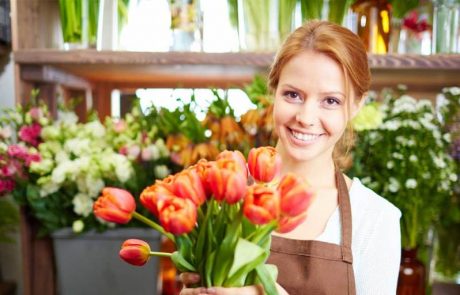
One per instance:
(287, 224)
(261, 204)
(188, 185)
(153, 196)
(135, 252)
(226, 181)
(115, 205)
(236, 156)
(178, 216)
(264, 163)
(295, 195)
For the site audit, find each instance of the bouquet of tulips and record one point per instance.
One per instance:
(219, 216)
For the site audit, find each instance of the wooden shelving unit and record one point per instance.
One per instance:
(191, 69)
(94, 74)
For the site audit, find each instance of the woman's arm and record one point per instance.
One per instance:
(377, 267)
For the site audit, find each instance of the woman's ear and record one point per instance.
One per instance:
(358, 104)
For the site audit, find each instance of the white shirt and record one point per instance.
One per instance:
(376, 240)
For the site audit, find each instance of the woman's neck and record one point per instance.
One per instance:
(319, 173)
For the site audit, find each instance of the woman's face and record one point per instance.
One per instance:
(310, 110)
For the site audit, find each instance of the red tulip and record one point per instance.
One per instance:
(115, 205)
(178, 216)
(287, 224)
(135, 252)
(153, 196)
(295, 195)
(226, 181)
(236, 156)
(264, 163)
(261, 204)
(188, 185)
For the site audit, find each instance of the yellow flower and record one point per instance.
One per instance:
(370, 117)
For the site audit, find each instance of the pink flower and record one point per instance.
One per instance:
(30, 134)
(35, 113)
(123, 150)
(32, 158)
(6, 186)
(17, 151)
(120, 126)
(8, 170)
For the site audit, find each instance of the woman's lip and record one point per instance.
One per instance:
(303, 132)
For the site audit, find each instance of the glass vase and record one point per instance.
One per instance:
(373, 24)
(445, 26)
(411, 279)
(258, 25)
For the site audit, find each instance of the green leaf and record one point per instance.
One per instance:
(247, 257)
(181, 263)
(267, 274)
(209, 269)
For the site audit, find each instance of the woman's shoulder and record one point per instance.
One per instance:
(366, 201)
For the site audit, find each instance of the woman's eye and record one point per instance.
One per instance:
(332, 101)
(291, 95)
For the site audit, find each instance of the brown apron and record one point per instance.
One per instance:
(315, 267)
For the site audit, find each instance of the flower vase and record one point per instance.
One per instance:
(411, 279)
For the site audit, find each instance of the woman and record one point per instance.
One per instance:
(350, 241)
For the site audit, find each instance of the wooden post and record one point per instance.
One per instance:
(37, 258)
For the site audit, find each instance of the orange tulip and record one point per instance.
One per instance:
(261, 204)
(135, 252)
(287, 224)
(264, 163)
(226, 181)
(153, 196)
(188, 185)
(236, 156)
(295, 195)
(115, 205)
(178, 216)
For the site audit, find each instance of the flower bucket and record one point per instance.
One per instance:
(89, 263)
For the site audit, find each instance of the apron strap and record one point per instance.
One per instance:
(345, 215)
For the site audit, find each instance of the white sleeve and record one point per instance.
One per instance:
(377, 267)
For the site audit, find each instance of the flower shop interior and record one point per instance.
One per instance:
(99, 93)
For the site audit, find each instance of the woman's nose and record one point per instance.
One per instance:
(307, 115)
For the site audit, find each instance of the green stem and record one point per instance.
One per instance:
(154, 225)
(160, 254)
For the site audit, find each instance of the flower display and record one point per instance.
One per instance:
(405, 159)
(219, 218)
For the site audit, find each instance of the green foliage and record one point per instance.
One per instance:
(405, 160)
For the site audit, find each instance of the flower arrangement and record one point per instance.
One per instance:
(405, 159)
(219, 221)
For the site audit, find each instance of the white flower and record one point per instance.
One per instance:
(411, 183)
(68, 118)
(62, 156)
(393, 186)
(150, 152)
(447, 137)
(133, 152)
(82, 204)
(453, 90)
(3, 147)
(50, 133)
(95, 128)
(366, 180)
(413, 158)
(161, 171)
(78, 146)
(123, 168)
(422, 103)
(390, 164)
(94, 185)
(47, 187)
(42, 167)
(439, 162)
(78, 226)
(5, 131)
(391, 125)
(453, 177)
(397, 156)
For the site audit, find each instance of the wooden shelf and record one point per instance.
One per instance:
(194, 69)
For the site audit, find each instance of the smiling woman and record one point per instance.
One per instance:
(349, 242)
